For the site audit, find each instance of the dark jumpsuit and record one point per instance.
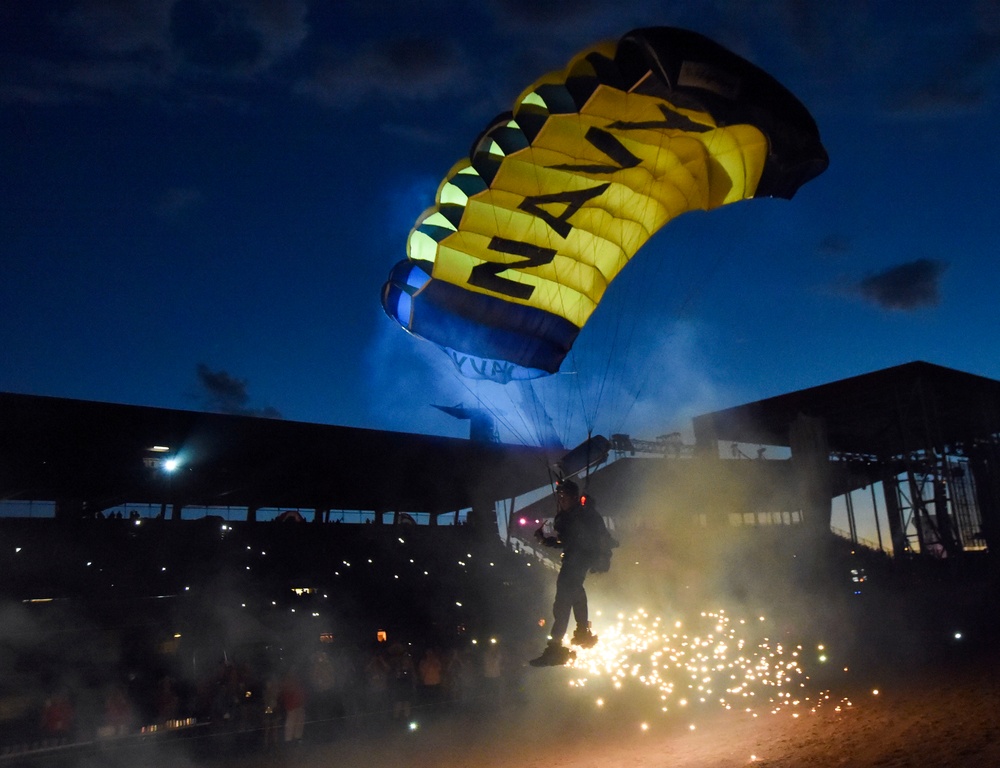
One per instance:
(580, 531)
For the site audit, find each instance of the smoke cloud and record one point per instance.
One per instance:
(221, 392)
(904, 287)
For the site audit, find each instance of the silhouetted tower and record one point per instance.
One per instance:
(482, 427)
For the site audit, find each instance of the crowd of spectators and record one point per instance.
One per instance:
(414, 634)
(272, 705)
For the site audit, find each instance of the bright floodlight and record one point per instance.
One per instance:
(170, 465)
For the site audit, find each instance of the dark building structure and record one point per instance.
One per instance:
(929, 434)
(90, 456)
(925, 435)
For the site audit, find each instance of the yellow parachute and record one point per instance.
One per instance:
(556, 197)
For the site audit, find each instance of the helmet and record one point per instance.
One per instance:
(568, 487)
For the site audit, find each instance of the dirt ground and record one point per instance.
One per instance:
(946, 713)
(889, 712)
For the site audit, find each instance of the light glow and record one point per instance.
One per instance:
(710, 661)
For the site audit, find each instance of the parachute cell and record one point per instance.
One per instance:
(557, 196)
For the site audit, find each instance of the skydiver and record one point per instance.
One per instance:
(584, 539)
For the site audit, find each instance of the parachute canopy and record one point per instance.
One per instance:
(555, 197)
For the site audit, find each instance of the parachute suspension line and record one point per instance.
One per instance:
(648, 279)
(639, 282)
(588, 418)
(615, 367)
(493, 411)
(599, 235)
(545, 430)
(607, 370)
(649, 363)
(530, 412)
(522, 418)
(564, 419)
(622, 349)
(529, 422)
(591, 410)
(683, 306)
(591, 418)
(630, 306)
(561, 418)
(635, 398)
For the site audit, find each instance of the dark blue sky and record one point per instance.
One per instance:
(200, 200)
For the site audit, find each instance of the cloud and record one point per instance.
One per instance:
(952, 68)
(87, 47)
(223, 393)
(237, 36)
(107, 27)
(411, 69)
(904, 287)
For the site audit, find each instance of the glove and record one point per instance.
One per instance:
(548, 541)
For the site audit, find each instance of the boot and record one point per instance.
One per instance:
(554, 655)
(584, 637)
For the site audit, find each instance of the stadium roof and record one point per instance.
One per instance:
(101, 453)
(886, 413)
(58, 449)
